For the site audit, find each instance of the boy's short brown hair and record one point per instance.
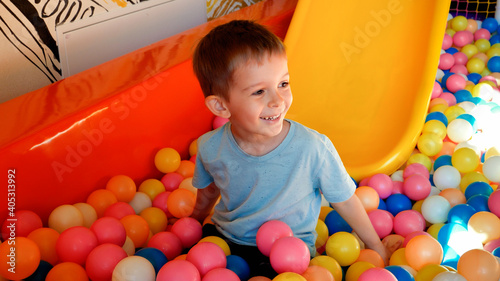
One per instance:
(219, 53)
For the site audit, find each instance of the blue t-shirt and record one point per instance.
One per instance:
(284, 184)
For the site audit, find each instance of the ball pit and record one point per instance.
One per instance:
(458, 174)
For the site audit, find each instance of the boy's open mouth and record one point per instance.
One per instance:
(271, 118)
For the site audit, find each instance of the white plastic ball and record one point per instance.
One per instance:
(435, 209)
(459, 130)
(446, 177)
(449, 276)
(491, 168)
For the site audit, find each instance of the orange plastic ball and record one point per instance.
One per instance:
(67, 271)
(46, 239)
(64, 217)
(19, 258)
(156, 219)
(88, 212)
(180, 203)
(193, 148)
(137, 229)
(372, 257)
(167, 160)
(422, 250)
(454, 196)
(317, 273)
(101, 199)
(368, 196)
(187, 183)
(186, 168)
(123, 187)
(478, 264)
(485, 225)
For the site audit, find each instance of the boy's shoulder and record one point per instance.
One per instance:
(308, 134)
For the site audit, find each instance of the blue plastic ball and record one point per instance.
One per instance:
(443, 160)
(397, 203)
(41, 272)
(476, 188)
(335, 223)
(469, 118)
(494, 64)
(400, 273)
(474, 77)
(496, 252)
(452, 50)
(494, 39)
(463, 95)
(479, 202)
(490, 24)
(382, 205)
(239, 266)
(461, 214)
(437, 115)
(156, 257)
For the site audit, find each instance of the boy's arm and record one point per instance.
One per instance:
(353, 212)
(205, 201)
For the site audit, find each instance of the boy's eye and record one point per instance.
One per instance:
(259, 92)
(283, 84)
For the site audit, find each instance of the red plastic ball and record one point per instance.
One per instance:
(75, 244)
(102, 260)
(109, 230)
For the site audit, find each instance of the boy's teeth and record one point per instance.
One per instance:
(270, 118)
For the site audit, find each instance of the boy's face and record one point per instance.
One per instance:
(259, 97)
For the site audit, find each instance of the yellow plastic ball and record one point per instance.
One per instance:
(417, 206)
(469, 50)
(493, 51)
(492, 151)
(343, 247)
(152, 187)
(167, 160)
(322, 231)
(429, 144)
(420, 158)
(428, 272)
(438, 107)
(289, 276)
(482, 44)
(156, 219)
(329, 263)
(433, 230)
(471, 177)
(398, 257)
(453, 112)
(465, 160)
(356, 269)
(219, 242)
(459, 23)
(193, 148)
(435, 127)
(324, 212)
(450, 32)
(476, 65)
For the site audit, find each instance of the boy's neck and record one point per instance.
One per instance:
(257, 146)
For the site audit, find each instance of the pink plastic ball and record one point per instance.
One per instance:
(188, 230)
(168, 243)
(382, 183)
(206, 256)
(382, 221)
(492, 245)
(397, 187)
(102, 260)
(269, 232)
(75, 243)
(494, 202)
(178, 270)
(455, 82)
(460, 69)
(482, 33)
(289, 254)
(219, 274)
(449, 98)
(446, 61)
(460, 58)
(26, 222)
(408, 221)
(416, 187)
(171, 181)
(364, 182)
(119, 210)
(415, 169)
(489, 78)
(377, 273)
(219, 122)
(109, 230)
(437, 90)
(447, 41)
(160, 202)
(462, 38)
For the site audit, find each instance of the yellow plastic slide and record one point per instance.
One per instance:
(362, 73)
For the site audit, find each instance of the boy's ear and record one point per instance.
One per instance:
(218, 106)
